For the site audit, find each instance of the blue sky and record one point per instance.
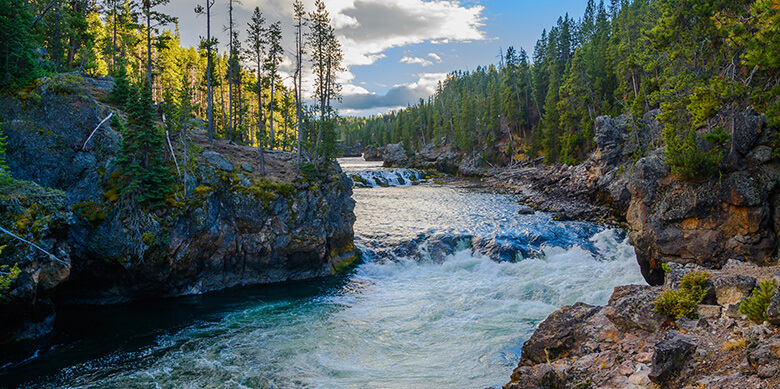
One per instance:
(397, 50)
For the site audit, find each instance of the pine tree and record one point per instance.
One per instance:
(273, 37)
(144, 177)
(17, 62)
(208, 44)
(256, 49)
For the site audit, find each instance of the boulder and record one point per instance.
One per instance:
(747, 129)
(732, 289)
(395, 155)
(370, 153)
(760, 155)
(558, 335)
(633, 307)
(218, 160)
(472, 166)
(670, 356)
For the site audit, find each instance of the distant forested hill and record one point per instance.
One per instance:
(700, 62)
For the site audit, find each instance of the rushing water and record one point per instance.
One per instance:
(454, 281)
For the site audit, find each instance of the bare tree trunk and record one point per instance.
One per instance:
(149, 46)
(298, 86)
(209, 68)
(260, 117)
(271, 118)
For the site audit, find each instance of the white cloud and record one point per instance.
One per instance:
(398, 96)
(416, 60)
(435, 57)
(381, 25)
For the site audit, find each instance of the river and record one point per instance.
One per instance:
(453, 281)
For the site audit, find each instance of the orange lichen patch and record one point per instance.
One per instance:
(742, 221)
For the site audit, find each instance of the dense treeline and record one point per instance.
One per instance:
(229, 85)
(700, 62)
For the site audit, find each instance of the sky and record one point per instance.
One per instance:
(396, 51)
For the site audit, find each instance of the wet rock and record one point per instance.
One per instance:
(670, 356)
(526, 211)
(733, 288)
(633, 307)
(558, 335)
(218, 160)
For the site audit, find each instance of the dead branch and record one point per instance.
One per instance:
(95, 130)
(35, 246)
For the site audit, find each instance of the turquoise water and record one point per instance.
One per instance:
(454, 281)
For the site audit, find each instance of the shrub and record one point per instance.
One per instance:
(755, 306)
(682, 302)
(8, 275)
(3, 164)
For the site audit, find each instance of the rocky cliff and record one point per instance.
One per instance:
(725, 224)
(225, 226)
(626, 180)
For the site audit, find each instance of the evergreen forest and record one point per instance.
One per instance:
(699, 62)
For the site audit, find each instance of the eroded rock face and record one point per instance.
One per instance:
(232, 228)
(670, 356)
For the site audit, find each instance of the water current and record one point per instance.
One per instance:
(453, 281)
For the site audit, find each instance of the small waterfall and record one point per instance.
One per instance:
(386, 178)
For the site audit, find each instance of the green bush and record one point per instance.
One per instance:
(3, 165)
(8, 275)
(682, 302)
(755, 306)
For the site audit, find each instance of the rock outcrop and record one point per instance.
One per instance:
(225, 225)
(705, 222)
(709, 221)
(596, 189)
(625, 344)
(370, 153)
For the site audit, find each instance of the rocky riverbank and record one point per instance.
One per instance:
(727, 224)
(225, 225)
(627, 344)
